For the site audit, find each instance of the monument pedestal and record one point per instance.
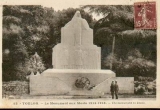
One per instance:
(68, 81)
(63, 82)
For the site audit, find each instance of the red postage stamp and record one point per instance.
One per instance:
(145, 15)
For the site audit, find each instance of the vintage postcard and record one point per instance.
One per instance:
(80, 54)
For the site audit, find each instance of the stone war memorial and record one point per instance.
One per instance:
(77, 66)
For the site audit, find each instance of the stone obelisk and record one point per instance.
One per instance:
(76, 50)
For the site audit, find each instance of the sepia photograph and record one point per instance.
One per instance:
(86, 52)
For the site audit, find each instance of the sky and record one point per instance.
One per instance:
(64, 4)
(60, 6)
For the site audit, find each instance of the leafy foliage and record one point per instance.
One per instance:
(135, 50)
(35, 64)
(29, 29)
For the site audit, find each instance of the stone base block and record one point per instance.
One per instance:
(66, 81)
(71, 82)
(40, 85)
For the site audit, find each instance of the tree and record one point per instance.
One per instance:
(28, 29)
(136, 66)
(20, 36)
(13, 42)
(118, 21)
(35, 64)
